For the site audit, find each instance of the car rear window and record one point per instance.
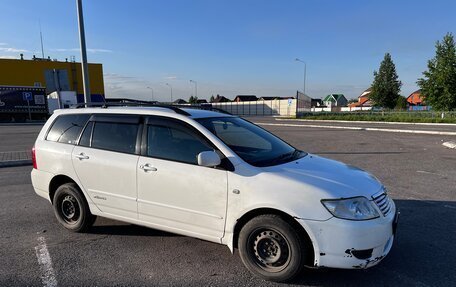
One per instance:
(66, 128)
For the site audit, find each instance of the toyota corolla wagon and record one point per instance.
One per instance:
(216, 177)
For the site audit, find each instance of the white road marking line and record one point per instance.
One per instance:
(363, 129)
(449, 145)
(427, 172)
(449, 206)
(45, 262)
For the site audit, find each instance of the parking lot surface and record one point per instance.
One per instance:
(417, 170)
(444, 128)
(18, 137)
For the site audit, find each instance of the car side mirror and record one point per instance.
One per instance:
(209, 158)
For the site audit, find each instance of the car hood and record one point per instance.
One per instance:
(335, 179)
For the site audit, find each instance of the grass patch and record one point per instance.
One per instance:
(411, 117)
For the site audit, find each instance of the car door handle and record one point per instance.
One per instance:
(82, 156)
(147, 167)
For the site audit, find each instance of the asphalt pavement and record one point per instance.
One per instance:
(417, 170)
(18, 137)
(361, 124)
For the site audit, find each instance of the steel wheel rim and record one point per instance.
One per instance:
(270, 249)
(70, 210)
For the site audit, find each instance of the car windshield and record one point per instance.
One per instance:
(252, 143)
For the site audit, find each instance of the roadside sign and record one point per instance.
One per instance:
(27, 96)
(39, 100)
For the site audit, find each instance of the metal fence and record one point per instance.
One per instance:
(285, 107)
(304, 103)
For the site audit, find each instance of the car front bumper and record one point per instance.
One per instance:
(347, 244)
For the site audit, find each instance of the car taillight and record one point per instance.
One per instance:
(34, 158)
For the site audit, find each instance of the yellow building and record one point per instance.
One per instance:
(54, 75)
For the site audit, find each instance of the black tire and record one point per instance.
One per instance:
(272, 249)
(71, 208)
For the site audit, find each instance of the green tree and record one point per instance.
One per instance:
(212, 99)
(193, 100)
(386, 86)
(438, 86)
(401, 103)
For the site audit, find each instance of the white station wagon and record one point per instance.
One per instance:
(215, 177)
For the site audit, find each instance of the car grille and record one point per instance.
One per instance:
(383, 202)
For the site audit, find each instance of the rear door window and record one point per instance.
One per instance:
(120, 137)
(66, 128)
(86, 135)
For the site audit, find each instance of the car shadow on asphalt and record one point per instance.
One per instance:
(424, 252)
(118, 228)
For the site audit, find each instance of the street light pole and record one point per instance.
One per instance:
(196, 87)
(305, 68)
(152, 90)
(171, 91)
(85, 68)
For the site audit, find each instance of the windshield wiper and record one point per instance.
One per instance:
(286, 155)
(281, 158)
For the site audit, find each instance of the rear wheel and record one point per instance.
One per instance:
(272, 249)
(72, 209)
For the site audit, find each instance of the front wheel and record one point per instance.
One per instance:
(72, 209)
(272, 249)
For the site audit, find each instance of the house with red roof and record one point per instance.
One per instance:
(363, 100)
(416, 99)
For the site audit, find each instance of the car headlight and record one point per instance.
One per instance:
(356, 208)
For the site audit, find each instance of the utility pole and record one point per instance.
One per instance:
(85, 68)
(152, 90)
(41, 38)
(305, 68)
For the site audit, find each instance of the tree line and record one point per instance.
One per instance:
(438, 85)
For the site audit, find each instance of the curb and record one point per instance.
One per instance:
(13, 163)
(363, 129)
(369, 122)
(451, 145)
(22, 124)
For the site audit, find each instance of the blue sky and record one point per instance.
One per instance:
(233, 47)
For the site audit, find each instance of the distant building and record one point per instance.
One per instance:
(335, 100)
(316, 103)
(180, 101)
(416, 99)
(274, 98)
(53, 75)
(245, 98)
(268, 98)
(220, 99)
(201, 101)
(363, 100)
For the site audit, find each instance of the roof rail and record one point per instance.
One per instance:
(105, 105)
(176, 108)
(221, 111)
(206, 107)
